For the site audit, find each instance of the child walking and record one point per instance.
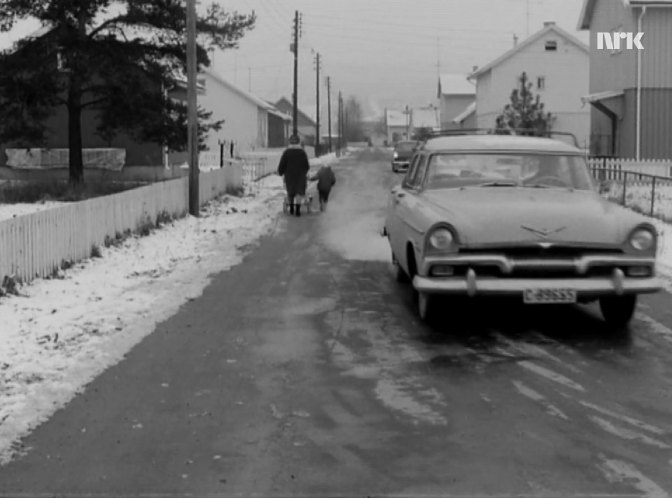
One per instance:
(326, 179)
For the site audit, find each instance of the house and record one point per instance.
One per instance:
(424, 118)
(556, 63)
(456, 93)
(397, 124)
(246, 116)
(630, 92)
(305, 125)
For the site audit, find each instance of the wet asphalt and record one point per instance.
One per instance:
(304, 371)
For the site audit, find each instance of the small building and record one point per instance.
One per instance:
(398, 125)
(305, 124)
(425, 118)
(630, 90)
(455, 93)
(556, 64)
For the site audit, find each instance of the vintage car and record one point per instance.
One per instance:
(401, 156)
(500, 215)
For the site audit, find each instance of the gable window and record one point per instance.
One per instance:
(551, 46)
(541, 82)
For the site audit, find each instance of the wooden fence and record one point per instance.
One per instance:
(35, 245)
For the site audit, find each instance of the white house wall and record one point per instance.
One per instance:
(242, 123)
(566, 73)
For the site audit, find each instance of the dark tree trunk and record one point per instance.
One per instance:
(76, 162)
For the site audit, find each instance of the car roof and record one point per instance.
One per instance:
(504, 143)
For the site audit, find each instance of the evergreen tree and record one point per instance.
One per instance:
(121, 58)
(525, 112)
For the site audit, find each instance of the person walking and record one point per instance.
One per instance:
(326, 179)
(294, 166)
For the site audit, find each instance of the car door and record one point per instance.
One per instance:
(392, 222)
(406, 204)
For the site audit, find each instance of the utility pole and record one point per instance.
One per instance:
(329, 109)
(408, 122)
(317, 109)
(340, 122)
(295, 49)
(192, 113)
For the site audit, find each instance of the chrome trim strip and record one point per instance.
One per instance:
(490, 286)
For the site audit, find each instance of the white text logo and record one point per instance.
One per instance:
(612, 41)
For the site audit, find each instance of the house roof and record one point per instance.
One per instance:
(596, 97)
(396, 118)
(284, 103)
(455, 84)
(548, 28)
(468, 111)
(589, 6)
(248, 96)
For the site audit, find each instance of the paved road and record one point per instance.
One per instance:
(304, 371)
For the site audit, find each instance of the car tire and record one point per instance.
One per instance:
(426, 304)
(399, 273)
(618, 310)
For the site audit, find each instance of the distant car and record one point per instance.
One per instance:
(401, 157)
(498, 215)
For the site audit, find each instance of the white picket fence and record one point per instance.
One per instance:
(34, 245)
(658, 167)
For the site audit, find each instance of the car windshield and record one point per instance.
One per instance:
(447, 170)
(405, 147)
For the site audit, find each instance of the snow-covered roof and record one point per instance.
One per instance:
(468, 111)
(548, 27)
(247, 95)
(455, 84)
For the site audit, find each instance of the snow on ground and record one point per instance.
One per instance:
(59, 334)
(8, 211)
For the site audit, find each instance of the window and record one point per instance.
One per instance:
(541, 82)
(551, 46)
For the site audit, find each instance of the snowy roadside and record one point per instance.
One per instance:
(59, 334)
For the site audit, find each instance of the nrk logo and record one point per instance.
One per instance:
(612, 41)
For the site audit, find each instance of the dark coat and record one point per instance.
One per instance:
(325, 178)
(294, 167)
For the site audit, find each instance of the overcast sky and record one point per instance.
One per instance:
(385, 52)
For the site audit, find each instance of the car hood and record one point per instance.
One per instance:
(502, 215)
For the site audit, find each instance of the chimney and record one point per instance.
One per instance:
(474, 68)
(515, 40)
(549, 23)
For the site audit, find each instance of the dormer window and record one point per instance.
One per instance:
(551, 46)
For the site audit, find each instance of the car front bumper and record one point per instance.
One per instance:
(400, 165)
(470, 283)
(488, 286)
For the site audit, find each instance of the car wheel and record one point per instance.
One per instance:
(426, 305)
(618, 310)
(399, 273)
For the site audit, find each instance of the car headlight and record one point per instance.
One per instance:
(395, 155)
(441, 239)
(642, 239)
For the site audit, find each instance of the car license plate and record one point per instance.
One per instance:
(544, 296)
